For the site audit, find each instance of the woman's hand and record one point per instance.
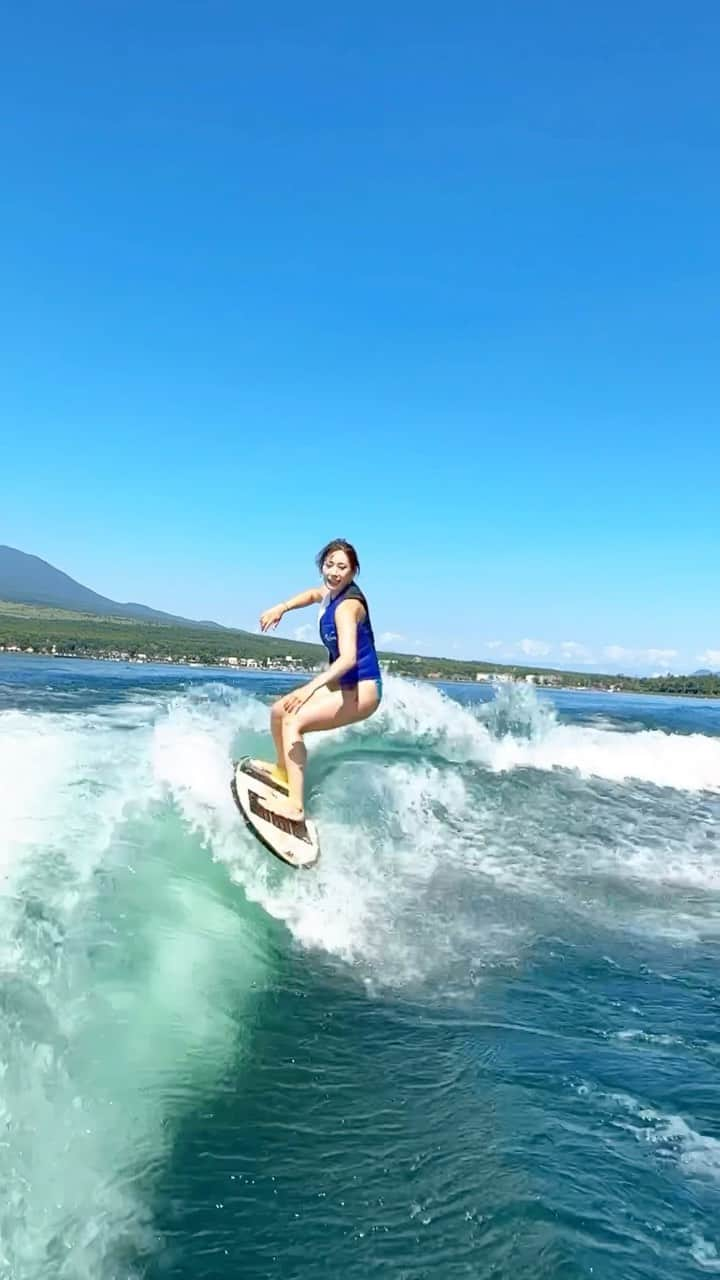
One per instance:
(297, 699)
(270, 618)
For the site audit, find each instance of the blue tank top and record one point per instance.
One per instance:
(367, 666)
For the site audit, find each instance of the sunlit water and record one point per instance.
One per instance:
(480, 1039)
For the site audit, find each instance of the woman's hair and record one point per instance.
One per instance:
(339, 544)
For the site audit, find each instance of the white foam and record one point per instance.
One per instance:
(400, 894)
(364, 900)
(704, 1253)
(394, 829)
(386, 834)
(96, 1056)
(694, 1153)
(351, 903)
(688, 762)
(63, 781)
(662, 1039)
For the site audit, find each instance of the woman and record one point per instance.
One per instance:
(349, 690)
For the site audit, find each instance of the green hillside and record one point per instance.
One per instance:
(27, 579)
(85, 634)
(64, 632)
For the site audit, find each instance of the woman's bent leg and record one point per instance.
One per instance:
(276, 722)
(326, 710)
(277, 772)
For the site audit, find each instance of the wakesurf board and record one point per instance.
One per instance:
(295, 843)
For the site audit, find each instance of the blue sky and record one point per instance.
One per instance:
(440, 279)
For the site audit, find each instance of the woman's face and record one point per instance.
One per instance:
(337, 571)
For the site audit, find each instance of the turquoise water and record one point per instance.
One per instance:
(481, 1039)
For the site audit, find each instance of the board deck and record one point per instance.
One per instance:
(295, 843)
(256, 775)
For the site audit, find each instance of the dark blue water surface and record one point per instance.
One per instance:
(480, 1039)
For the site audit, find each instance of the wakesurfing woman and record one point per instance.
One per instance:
(348, 690)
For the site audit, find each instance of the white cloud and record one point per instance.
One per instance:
(710, 658)
(663, 657)
(576, 652)
(616, 653)
(493, 644)
(535, 648)
(652, 657)
(391, 637)
(304, 632)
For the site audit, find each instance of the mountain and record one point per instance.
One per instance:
(26, 579)
(704, 672)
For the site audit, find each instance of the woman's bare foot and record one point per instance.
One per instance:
(285, 809)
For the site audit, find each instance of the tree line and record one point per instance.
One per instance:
(84, 635)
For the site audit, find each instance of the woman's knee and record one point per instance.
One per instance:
(288, 721)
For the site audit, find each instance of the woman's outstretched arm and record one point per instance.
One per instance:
(270, 618)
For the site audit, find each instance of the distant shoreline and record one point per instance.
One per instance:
(234, 668)
(61, 633)
(278, 670)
